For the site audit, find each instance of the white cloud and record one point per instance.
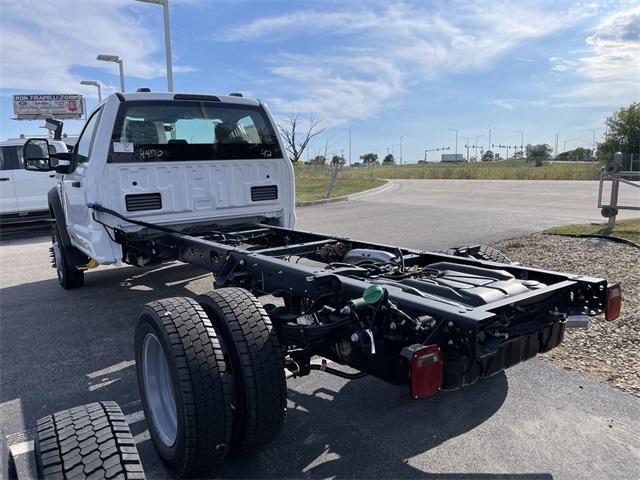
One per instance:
(609, 69)
(41, 48)
(387, 49)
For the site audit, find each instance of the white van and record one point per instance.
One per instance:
(23, 194)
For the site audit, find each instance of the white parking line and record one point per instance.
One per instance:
(135, 417)
(22, 448)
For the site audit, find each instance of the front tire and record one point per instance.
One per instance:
(184, 386)
(68, 275)
(250, 341)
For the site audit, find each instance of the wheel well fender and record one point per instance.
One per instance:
(57, 213)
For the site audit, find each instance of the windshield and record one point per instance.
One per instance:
(152, 131)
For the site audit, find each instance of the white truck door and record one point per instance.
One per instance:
(32, 187)
(74, 188)
(8, 203)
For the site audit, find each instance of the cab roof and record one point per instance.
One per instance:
(137, 96)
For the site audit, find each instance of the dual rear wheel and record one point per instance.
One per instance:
(211, 378)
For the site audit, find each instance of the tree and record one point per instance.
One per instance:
(623, 134)
(540, 151)
(369, 158)
(298, 133)
(389, 160)
(487, 156)
(318, 160)
(576, 154)
(338, 159)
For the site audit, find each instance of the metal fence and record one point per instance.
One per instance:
(617, 174)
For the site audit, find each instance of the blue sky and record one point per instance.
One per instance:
(381, 68)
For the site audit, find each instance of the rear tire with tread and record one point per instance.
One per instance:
(257, 364)
(91, 441)
(200, 383)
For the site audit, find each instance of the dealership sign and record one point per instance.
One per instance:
(34, 107)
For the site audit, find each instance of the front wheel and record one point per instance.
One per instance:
(68, 275)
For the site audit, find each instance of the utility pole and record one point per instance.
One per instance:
(466, 144)
(401, 137)
(521, 132)
(490, 146)
(476, 146)
(455, 130)
(349, 130)
(557, 136)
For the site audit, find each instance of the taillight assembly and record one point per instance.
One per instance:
(613, 302)
(425, 369)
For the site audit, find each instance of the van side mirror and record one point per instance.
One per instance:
(36, 155)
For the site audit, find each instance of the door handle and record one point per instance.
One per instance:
(76, 184)
(4, 179)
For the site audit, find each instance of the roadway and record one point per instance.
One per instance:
(59, 349)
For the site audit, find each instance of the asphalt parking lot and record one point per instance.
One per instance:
(60, 349)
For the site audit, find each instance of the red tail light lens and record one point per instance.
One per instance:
(425, 369)
(613, 302)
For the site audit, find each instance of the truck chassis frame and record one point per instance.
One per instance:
(474, 341)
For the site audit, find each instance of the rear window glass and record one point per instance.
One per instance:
(152, 131)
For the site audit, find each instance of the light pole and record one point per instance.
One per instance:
(466, 144)
(349, 130)
(93, 83)
(455, 130)
(490, 146)
(557, 136)
(476, 146)
(401, 137)
(521, 138)
(167, 41)
(114, 59)
(593, 143)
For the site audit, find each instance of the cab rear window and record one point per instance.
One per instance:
(155, 131)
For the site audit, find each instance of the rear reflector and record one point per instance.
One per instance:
(613, 302)
(425, 369)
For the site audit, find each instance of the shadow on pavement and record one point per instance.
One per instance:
(60, 349)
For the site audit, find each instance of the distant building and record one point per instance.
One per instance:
(452, 157)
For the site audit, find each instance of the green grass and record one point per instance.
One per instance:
(503, 170)
(315, 188)
(629, 229)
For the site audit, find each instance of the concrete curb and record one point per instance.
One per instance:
(372, 191)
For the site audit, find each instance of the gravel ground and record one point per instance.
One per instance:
(607, 351)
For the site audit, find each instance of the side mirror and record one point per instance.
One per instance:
(36, 155)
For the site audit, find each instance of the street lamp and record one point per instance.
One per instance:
(521, 137)
(455, 130)
(167, 40)
(401, 137)
(349, 130)
(93, 83)
(114, 59)
(490, 130)
(466, 144)
(476, 146)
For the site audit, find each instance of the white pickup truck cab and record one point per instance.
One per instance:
(167, 159)
(23, 194)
